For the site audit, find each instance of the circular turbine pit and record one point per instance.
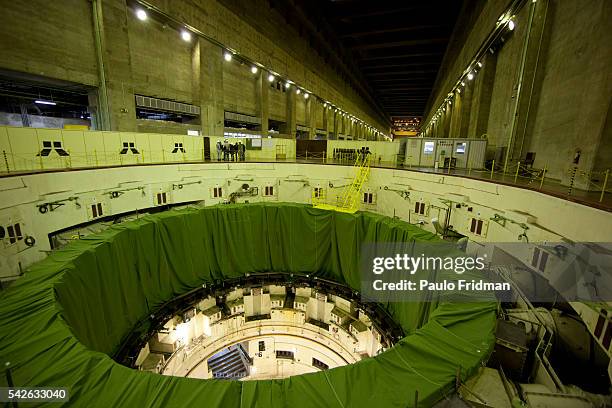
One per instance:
(74, 315)
(264, 326)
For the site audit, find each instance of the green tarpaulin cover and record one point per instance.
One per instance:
(61, 321)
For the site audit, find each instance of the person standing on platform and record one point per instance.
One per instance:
(219, 150)
(225, 150)
(241, 151)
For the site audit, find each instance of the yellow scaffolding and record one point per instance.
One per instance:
(348, 201)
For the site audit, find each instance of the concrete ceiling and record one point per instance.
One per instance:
(397, 46)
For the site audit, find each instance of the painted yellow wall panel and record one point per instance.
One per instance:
(131, 156)
(94, 147)
(74, 144)
(24, 147)
(156, 148)
(5, 150)
(112, 146)
(143, 144)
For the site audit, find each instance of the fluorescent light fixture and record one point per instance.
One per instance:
(43, 102)
(511, 25)
(141, 14)
(270, 78)
(254, 69)
(227, 56)
(186, 35)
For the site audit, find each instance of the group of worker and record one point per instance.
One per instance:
(230, 151)
(363, 153)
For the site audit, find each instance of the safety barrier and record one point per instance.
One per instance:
(348, 200)
(27, 150)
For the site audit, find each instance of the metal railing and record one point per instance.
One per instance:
(588, 187)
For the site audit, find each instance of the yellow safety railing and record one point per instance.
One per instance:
(348, 200)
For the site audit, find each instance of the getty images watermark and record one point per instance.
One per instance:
(399, 272)
(442, 271)
(407, 264)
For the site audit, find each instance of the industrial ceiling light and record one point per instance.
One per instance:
(306, 95)
(511, 25)
(298, 91)
(186, 35)
(479, 64)
(462, 83)
(141, 14)
(254, 69)
(470, 76)
(43, 102)
(270, 78)
(287, 85)
(228, 56)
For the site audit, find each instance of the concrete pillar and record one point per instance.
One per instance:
(460, 117)
(480, 91)
(326, 121)
(211, 89)
(291, 113)
(335, 124)
(446, 119)
(465, 106)
(196, 73)
(263, 105)
(116, 90)
(528, 99)
(311, 118)
(455, 116)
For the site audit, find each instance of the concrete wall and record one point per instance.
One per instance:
(546, 89)
(57, 40)
(49, 38)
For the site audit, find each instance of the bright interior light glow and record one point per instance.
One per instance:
(43, 102)
(182, 333)
(227, 56)
(186, 35)
(511, 25)
(306, 96)
(470, 76)
(254, 69)
(270, 78)
(298, 91)
(479, 64)
(141, 14)
(287, 85)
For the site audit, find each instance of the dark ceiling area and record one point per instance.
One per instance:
(397, 45)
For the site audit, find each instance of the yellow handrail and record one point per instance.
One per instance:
(348, 200)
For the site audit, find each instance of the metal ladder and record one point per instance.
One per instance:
(348, 201)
